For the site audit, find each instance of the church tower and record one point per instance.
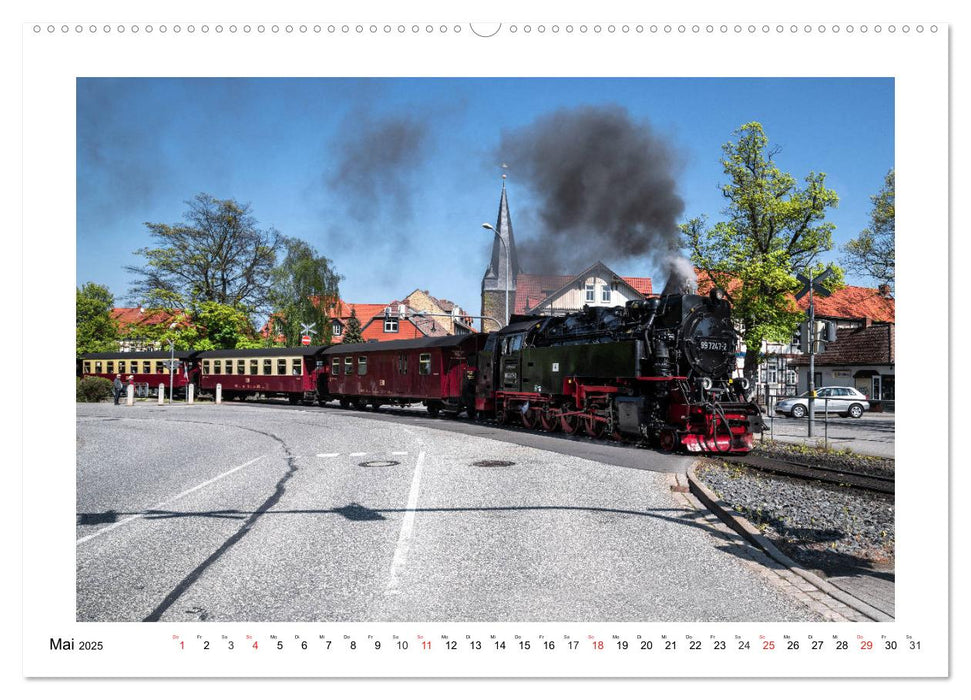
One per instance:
(504, 262)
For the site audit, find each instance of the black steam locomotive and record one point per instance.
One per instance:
(658, 368)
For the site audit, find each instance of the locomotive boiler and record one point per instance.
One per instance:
(659, 369)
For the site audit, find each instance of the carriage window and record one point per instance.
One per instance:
(206, 367)
(111, 366)
(121, 366)
(217, 366)
(281, 367)
(159, 367)
(240, 366)
(362, 365)
(254, 366)
(229, 366)
(267, 366)
(297, 368)
(97, 368)
(425, 363)
(348, 365)
(402, 364)
(146, 367)
(335, 366)
(87, 368)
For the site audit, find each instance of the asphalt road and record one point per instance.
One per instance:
(872, 434)
(252, 513)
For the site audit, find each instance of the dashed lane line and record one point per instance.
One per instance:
(88, 538)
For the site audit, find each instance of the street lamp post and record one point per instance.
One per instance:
(493, 229)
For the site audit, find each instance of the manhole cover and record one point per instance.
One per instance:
(493, 463)
(379, 463)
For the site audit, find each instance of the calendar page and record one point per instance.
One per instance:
(485, 343)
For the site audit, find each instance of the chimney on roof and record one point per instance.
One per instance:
(884, 290)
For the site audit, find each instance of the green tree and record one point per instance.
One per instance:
(217, 254)
(305, 288)
(208, 326)
(96, 330)
(872, 253)
(773, 229)
(352, 334)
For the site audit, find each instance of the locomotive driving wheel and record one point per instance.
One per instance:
(592, 426)
(549, 419)
(570, 424)
(530, 419)
(668, 440)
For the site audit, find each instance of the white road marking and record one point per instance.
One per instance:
(399, 453)
(329, 454)
(111, 527)
(407, 529)
(357, 454)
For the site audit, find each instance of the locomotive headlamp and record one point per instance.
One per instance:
(743, 382)
(706, 383)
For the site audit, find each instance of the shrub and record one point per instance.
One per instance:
(93, 389)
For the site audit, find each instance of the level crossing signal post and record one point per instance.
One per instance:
(813, 286)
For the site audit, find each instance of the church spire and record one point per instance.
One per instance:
(495, 275)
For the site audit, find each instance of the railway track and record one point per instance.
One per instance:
(867, 482)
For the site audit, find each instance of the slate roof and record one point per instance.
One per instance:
(873, 345)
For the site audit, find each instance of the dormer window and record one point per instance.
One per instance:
(338, 328)
(390, 324)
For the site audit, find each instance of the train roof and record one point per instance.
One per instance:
(442, 341)
(143, 355)
(304, 350)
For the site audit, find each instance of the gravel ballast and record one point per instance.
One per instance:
(829, 528)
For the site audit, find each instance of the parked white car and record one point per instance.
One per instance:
(844, 400)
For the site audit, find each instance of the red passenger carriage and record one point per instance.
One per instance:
(438, 372)
(269, 372)
(149, 368)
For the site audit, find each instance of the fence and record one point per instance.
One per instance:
(827, 411)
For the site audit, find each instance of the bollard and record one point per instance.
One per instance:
(131, 395)
(189, 391)
(161, 394)
(219, 393)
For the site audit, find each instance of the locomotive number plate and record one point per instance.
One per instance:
(713, 344)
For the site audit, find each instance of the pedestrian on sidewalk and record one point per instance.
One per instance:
(118, 388)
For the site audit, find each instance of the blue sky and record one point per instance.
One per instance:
(404, 211)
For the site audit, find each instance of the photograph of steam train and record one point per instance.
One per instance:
(584, 434)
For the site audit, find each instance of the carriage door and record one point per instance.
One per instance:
(511, 361)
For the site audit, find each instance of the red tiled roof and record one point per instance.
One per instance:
(532, 289)
(847, 302)
(853, 302)
(873, 345)
(641, 284)
(139, 317)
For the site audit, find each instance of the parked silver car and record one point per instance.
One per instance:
(844, 400)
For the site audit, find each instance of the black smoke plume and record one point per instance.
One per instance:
(376, 160)
(604, 186)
